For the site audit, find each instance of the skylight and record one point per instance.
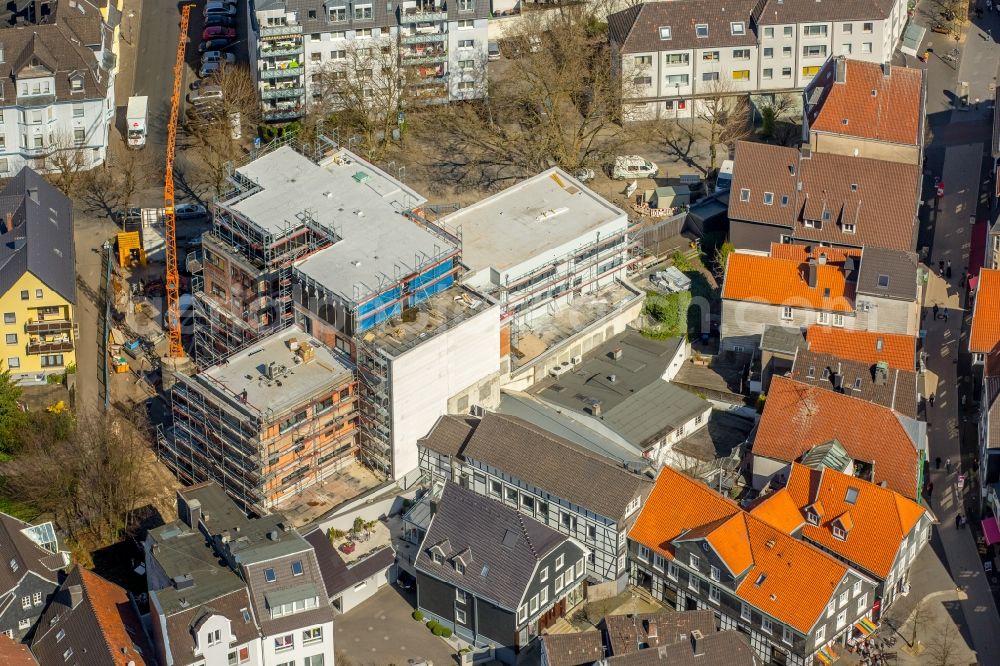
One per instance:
(701, 30)
(665, 32)
(852, 495)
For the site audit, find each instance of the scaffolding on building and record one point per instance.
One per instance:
(375, 418)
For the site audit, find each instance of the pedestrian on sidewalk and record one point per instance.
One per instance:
(935, 311)
(932, 404)
(947, 466)
(945, 314)
(937, 462)
(958, 521)
(930, 489)
(947, 270)
(941, 267)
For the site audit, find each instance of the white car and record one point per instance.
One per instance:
(217, 56)
(189, 211)
(224, 8)
(209, 68)
(627, 167)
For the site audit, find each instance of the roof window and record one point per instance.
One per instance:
(665, 32)
(852, 495)
(744, 195)
(701, 30)
(738, 28)
(768, 198)
(883, 282)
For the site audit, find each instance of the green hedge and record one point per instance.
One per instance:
(417, 615)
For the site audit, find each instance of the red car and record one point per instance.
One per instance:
(217, 31)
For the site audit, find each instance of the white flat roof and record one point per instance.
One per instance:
(538, 214)
(299, 382)
(360, 202)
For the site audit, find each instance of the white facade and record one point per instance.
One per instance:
(360, 592)
(216, 643)
(309, 646)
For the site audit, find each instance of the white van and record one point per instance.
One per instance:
(724, 180)
(627, 167)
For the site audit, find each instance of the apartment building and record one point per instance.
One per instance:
(803, 423)
(671, 56)
(984, 336)
(562, 485)
(300, 45)
(493, 576)
(866, 109)
(877, 531)
(28, 580)
(37, 279)
(823, 198)
(697, 550)
(266, 423)
(797, 286)
(58, 89)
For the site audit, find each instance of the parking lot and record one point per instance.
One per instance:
(381, 631)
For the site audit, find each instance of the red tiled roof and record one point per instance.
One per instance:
(899, 351)
(892, 114)
(777, 281)
(15, 654)
(113, 610)
(798, 417)
(985, 335)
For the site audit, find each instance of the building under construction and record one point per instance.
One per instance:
(267, 422)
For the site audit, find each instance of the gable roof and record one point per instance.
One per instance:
(899, 351)
(899, 392)
(637, 29)
(41, 238)
(778, 12)
(889, 274)
(28, 555)
(721, 648)
(581, 649)
(772, 581)
(797, 417)
(877, 103)
(626, 632)
(337, 575)
(985, 334)
(879, 519)
(506, 546)
(449, 435)
(776, 280)
(882, 206)
(555, 465)
(99, 621)
(15, 654)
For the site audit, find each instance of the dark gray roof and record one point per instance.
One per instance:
(181, 642)
(337, 576)
(626, 632)
(723, 433)
(995, 149)
(41, 240)
(555, 465)
(724, 648)
(582, 649)
(778, 12)
(630, 393)
(899, 393)
(888, 274)
(505, 546)
(781, 339)
(637, 29)
(384, 15)
(449, 435)
(15, 545)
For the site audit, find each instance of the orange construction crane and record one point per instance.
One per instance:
(173, 279)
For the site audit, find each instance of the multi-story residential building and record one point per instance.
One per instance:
(199, 612)
(59, 89)
(803, 423)
(91, 620)
(823, 198)
(671, 56)
(493, 576)
(438, 49)
(695, 549)
(867, 290)
(984, 336)
(621, 390)
(37, 279)
(288, 603)
(32, 571)
(267, 422)
(570, 489)
(866, 109)
(877, 531)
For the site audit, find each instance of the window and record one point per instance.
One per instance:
(315, 57)
(14, 362)
(362, 12)
(831, 608)
(838, 320)
(786, 312)
(658, 561)
(466, 24)
(24, 294)
(856, 588)
(713, 594)
(786, 72)
(643, 80)
(36, 598)
(741, 54)
(533, 605)
(528, 502)
(692, 582)
(677, 79)
(710, 56)
(866, 47)
(744, 195)
(11, 338)
(25, 602)
(643, 61)
(282, 643)
(338, 14)
(701, 30)
(820, 634)
(9, 318)
(461, 597)
(787, 31)
(744, 612)
(363, 33)
(560, 561)
(841, 619)
(543, 575)
(466, 5)
(23, 623)
(38, 293)
(569, 521)
(579, 568)
(644, 553)
(786, 51)
(716, 574)
(591, 532)
(672, 571)
(466, 64)
(665, 32)
(810, 71)
(214, 637)
(767, 74)
(766, 626)
(814, 30)
(61, 635)
(845, 49)
(296, 568)
(676, 59)
(269, 575)
(786, 635)
(847, 28)
(738, 28)
(522, 613)
(814, 50)
(694, 561)
(495, 487)
(460, 615)
(768, 52)
(511, 494)
(768, 198)
(67, 654)
(741, 75)
(543, 597)
(867, 27)
(768, 33)
(862, 604)
(466, 43)
(314, 660)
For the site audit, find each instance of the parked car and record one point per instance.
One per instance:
(493, 50)
(217, 31)
(724, 179)
(220, 19)
(190, 211)
(627, 167)
(405, 581)
(217, 56)
(205, 94)
(214, 44)
(209, 68)
(125, 215)
(222, 8)
(584, 174)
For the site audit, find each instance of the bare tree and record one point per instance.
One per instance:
(723, 117)
(944, 644)
(66, 161)
(778, 112)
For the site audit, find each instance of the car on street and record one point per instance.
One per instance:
(214, 44)
(584, 174)
(125, 215)
(220, 19)
(217, 56)
(209, 68)
(493, 50)
(217, 31)
(190, 211)
(223, 8)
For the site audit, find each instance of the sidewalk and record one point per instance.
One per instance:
(976, 612)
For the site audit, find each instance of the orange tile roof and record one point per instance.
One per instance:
(779, 281)
(780, 510)
(112, 608)
(680, 508)
(985, 335)
(878, 521)
(801, 253)
(899, 351)
(798, 417)
(891, 115)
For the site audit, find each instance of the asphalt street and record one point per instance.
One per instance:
(154, 70)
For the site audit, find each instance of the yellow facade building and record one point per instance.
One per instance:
(37, 279)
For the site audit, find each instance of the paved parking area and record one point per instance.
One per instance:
(381, 632)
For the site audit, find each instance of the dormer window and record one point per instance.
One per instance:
(812, 517)
(768, 198)
(76, 83)
(459, 567)
(437, 557)
(839, 533)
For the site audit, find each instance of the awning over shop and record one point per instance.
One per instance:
(991, 530)
(827, 656)
(865, 626)
(912, 36)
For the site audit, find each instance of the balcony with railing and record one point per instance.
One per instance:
(283, 92)
(279, 72)
(282, 114)
(423, 13)
(280, 49)
(424, 38)
(47, 326)
(425, 56)
(280, 30)
(50, 346)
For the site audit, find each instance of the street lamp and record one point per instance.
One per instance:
(131, 15)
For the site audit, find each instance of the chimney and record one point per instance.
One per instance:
(273, 535)
(887, 69)
(840, 73)
(193, 514)
(616, 354)
(822, 259)
(697, 647)
(612, 378)
(75, 595)
(812, 271)
(595, 408)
